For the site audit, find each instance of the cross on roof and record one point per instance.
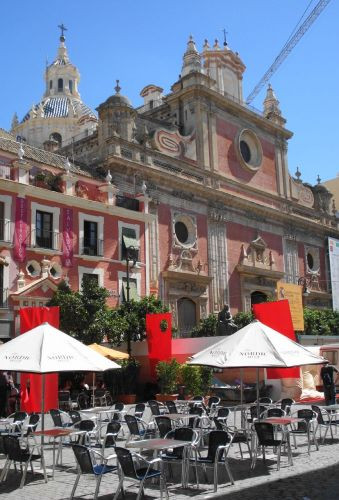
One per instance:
(225, 33)
(63, 28)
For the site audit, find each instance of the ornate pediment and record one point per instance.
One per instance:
(40, 290)
(257, 255)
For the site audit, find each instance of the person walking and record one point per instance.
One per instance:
(329, 383)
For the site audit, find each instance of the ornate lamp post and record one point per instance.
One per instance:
(306, 283)
(131, 257)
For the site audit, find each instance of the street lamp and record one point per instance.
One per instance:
(131, 256)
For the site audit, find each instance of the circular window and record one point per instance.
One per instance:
(184, 231)
(310, 261)
(55, 271)
(245, 151)
(249, 150)
(33, 268)
(181, 231)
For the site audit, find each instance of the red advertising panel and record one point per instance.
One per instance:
(159, 339)
(30, 317)
(277, 315)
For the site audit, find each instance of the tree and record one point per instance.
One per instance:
(84, 315)
(207, 327)
(130, 318)
(321, 322)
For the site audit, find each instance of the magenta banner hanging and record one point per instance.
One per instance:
(67, 237)
(20, 230)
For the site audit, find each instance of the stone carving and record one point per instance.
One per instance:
(256, 255)
(184, 263)
(173, 143)
(226, 325)
(322, 198)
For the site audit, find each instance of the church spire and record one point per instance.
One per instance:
(271, 107)
(192, 59)
(62, 56)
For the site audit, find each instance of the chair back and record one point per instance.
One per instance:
(154, 406)
(198, 398)
(218, 423)
(64, 396)
(56, 417)
(86, 425)
(196, 411)
(265, 401)
(265, 432)
(33, 422)
(126, 463)
(223, 412)
(112, 428)
(275, 412)
(320, 418)
(215, 439)
(139, 410)
(171, 406)
(132, 425)
(118, 407)
(164, 425)
(13, 449)
(213, 401)
(286, 404)
(83, 458)
(82, 400)
(181, 434)
(254, 411)
(75, 416)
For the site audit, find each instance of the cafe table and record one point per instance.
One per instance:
(55, 434)
(99, 411)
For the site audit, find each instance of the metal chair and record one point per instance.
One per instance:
(117, 410)
(99, 397)
(305, 427)
(57, 418)
(286, 404)
(212, 404)
(164, 425)
(266, 436)
(254, 413)
(222, 414)
(171, 406)
(90, 428)
(65, 401)
(75, 417)
(323, 421)
(265, 401)
(274, 412)
(156, 408)
(180, 455)
(16, 454)
(218, 447)
(18, 419)
(139, 410)
(87, 465)
(136, 427)
(130, 469)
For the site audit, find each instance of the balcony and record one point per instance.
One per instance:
(3, 298)
(92, 247)
(49, 240)
(5, 230)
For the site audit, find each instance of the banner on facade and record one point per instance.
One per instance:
(31, 383)
(20, 229)
(293, 293)
(333, 251)
(277, 315)
(159, 339)
(67, 237)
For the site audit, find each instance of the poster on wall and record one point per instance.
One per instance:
(293, 293)
(333, 251)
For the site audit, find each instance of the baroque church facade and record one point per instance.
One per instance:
(195, 181)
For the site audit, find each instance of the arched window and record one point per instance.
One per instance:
(258, 297)
(60, 85)
(56, 137)
(70, 86)
(187, 316)
(51, 84)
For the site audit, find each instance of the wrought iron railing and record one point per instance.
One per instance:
(3, 298)
(5, 230)
(91, 246)
(46, 239)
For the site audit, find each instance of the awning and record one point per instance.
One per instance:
(133, 291)
(108, 352)
(129, 241)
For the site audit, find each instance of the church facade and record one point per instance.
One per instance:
(195, 180)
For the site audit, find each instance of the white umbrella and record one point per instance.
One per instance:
(46, 349)
(256, 346)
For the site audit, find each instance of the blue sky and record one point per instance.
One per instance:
(143, 42)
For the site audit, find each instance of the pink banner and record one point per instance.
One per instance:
(20, 231)
(67, 236)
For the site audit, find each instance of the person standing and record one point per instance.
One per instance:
(329, 382)
(4, 393)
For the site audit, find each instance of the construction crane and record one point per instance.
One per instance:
(288, 47)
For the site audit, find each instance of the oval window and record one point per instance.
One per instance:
(245, 151)
(181, 231)
(310, 261)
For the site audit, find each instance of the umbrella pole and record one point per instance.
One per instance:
(42, 412)
(258, 403)
(242, 397)
(93, 398)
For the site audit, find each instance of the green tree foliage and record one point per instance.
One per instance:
(132, 318)
(321, 322)
(242, 319)
(84, 315)
(207, 327)
(167, 375)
